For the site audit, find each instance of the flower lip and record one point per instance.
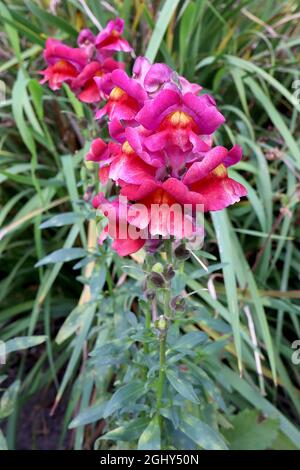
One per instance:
(126, 148)
(159, 196)
(116, 93)
(129, 85)
(179, 119)
(61, 71)
(201, 108)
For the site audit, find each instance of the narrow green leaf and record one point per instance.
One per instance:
(61, 256)
(190, 340)
(3, 443)
(68, 218)
(185, 389)
(249, 66)
(163, 21)
(128, 432)
(8, 399)
(225, 248)
(150, 438)
(202, 434)
(124, 396)
(23, 342)
(88, 416)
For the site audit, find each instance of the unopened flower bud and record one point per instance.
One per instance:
(144, 285)
(178, 303)
(181, 252)
(88, 194)
(157, 268)
(157, 279)
(168, 272)
(162, 323)
(150, 294)
(89, 165)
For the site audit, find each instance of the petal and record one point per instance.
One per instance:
(204, 111)
(85, 37)
(101, 112)
(104, 83)
(219, 193)
(200, 170)
(113, 25)
(154, 111)
(201, 143)
(130, 168)
(188, 87)
(103, 174)
(136, 192)
(109, 64)
(140, 68)
(59, 73)
(90, 93)
(87, 73)
(117, 130)
(56, 50)
(136, 138)
(180, 192)
(98, 200)
(218, 190)
(157, 141)
(129, 85)
(138, 215)
(128, 246)
(110, 38)
(157, 75)
(99, 150)
(234, 156)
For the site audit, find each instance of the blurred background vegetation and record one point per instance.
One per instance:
(246, 53)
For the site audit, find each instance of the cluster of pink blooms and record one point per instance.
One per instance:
(92, 58)
(161, 150)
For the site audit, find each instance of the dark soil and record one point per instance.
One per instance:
(37, 429)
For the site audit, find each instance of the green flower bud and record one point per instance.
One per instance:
(89, 165)
(157, 268)
(162, 323)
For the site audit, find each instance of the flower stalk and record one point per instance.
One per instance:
(162, 326)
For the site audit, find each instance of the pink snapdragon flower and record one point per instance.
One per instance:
(163, 155)
(157, 76)
(78, 66)
(64, 63)
(125, 236)
(111, 40)
(132, 226)
(204, 182)
(126, 96)
(84, 84)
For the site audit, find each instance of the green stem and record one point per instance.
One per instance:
(162, 338)
(162, 374)
(147, 326)
(168, 247)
